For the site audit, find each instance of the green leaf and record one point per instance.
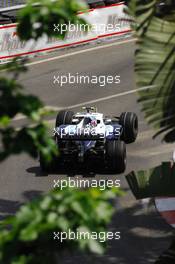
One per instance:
(38, 23)
(155, 182)
(155, 65)
(30, 236)
(96, 247)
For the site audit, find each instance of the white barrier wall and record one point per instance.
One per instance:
(105, 21)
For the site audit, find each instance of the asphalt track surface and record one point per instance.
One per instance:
(144, 235)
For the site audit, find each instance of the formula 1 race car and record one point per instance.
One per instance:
(91, 134)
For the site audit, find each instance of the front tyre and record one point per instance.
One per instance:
(129, 122)
(64, 118)
(116, 155)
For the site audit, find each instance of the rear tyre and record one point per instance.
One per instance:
(129, 122)
(64, 118)
(45, 167)
(98, 3)
(116, 156)
(110, 2)
(48, 166)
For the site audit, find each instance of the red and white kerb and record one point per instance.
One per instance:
(166, 207)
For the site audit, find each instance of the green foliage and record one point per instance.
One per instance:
(27, 237)
(30, 238)
(38, 18)
(158, 181)
(41, 20)
(155, 64)
(13, 102)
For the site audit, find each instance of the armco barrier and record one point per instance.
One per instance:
(101, 18)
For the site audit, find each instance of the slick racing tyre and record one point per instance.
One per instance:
(48, 166)
(116, 155)
(44, 167)
(64, 118)
(129, 122)
(96, 4)
(111, 2)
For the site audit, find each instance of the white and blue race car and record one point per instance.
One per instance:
(90, 134)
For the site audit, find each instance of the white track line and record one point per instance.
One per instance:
(55, 108)
(108, 97)
(81, 51)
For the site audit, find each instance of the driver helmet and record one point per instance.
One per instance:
(93, 122)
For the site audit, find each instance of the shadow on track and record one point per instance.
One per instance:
(144, 236)
(87, 170)
(8, 207)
